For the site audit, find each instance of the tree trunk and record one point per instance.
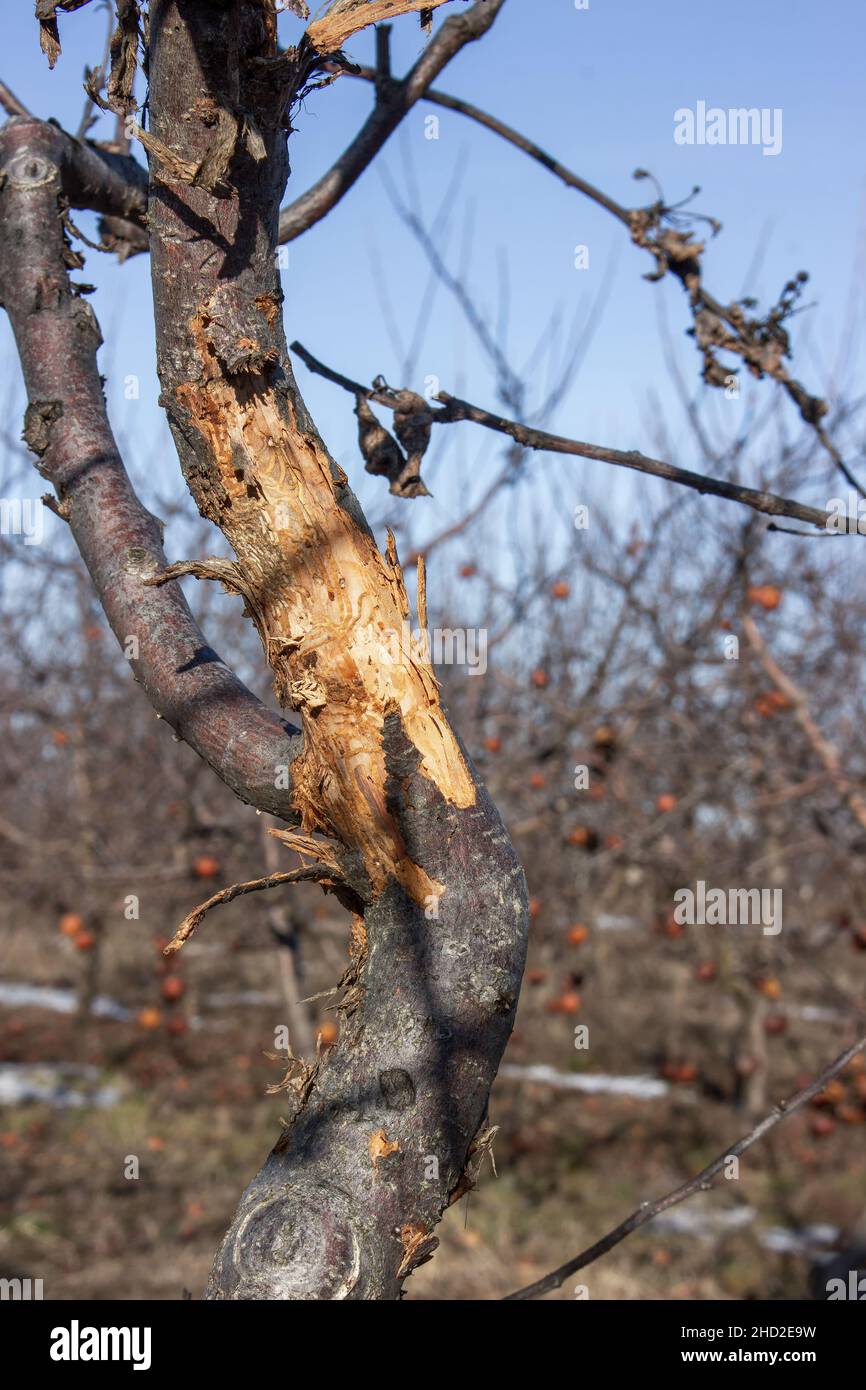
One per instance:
(346, 1202)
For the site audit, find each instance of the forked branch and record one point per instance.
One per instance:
(395, 99)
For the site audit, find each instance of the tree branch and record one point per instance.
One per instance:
(312, 873)
(512, 137)
(100, 179)
(10, 103)
(116, 185)
(702, 1181)
(455, 409)
(825, 751)
(766, 502)
(760, 343)
(395, 100)
(66, 425)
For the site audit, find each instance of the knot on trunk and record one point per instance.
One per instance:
(301, 1245)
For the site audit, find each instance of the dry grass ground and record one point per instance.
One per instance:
(194, 1111)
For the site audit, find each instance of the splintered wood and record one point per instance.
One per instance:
(332, 613)
(345, 17)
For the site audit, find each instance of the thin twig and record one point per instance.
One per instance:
(315, 873)
(702, 1182)
(10, 102)
(769, 503)
(826, 752)
(513, 137)
(97, 81)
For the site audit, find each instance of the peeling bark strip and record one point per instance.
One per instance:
(382, 1133)
(326, 604)
(345, 17)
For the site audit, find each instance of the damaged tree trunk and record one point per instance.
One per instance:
(346, 1203)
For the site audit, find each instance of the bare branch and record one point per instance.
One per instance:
(10, 102)
(529, 438)
(310, 873)
(395, 100)
(95, 80)
(826, 751)
(66, 426)
(702, 1181)
(513, 137)
(767, 502)
(761, 343)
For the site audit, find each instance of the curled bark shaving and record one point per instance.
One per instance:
(343, 18)
(124, 57)
(49, 36)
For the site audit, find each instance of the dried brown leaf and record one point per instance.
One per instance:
(49, 37)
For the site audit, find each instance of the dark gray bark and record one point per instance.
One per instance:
(326, 1217)
(66, 425)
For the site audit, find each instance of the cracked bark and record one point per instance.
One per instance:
(346, 1202)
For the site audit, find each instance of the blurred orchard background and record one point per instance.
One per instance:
(632, 747)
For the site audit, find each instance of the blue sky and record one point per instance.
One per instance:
(598, 88)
